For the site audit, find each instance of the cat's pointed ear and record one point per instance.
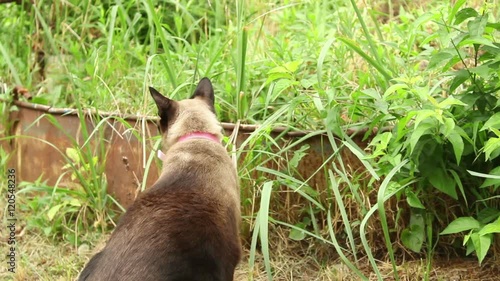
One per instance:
(167, 108)
(205, 91)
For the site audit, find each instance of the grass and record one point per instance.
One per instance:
(324, 66)
(98, 60)
(45, 260)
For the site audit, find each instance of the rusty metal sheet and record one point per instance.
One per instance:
(40, 143)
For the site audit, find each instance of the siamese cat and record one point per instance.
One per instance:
(186, 226)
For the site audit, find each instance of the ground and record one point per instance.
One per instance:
(40, 258)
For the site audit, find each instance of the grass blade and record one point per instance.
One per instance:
(264, 229)
(362, 231)
(338, 198)
(13, 70)
(261, 231)
(111, 33)
(337, 247)
(376, 64)
(321, 59)
(241, 48)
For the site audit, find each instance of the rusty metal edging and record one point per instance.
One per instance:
(132, 117)
(124, 178)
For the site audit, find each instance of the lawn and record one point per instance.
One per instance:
(403, 95)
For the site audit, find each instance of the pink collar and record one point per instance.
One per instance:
(199, 135)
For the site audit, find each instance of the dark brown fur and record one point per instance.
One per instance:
(185, 227)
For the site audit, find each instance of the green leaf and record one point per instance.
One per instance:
(413, 237)
(464, 14)
(287, 68)
(470, 247)
(493, 122)
(308, 83)
(394, 88)
(278, 69)
(458, 181)
(487, 215)
(441, 58)
(448, 102)
(481, 175)
(476, 41)
(279, 86)
(293, 65)
(52, 212)
(493, 52)
(457, 143)
(484, 71)
(40, 100)
(422, 129)
(47, 230)
(477, 26)
(493, 227)
(298, 155)
(461, 224)
(424, 114)
(413, 200)
(75, 202)
(296, 234)
(73, 154)
(481, 245)
(496, 132)
(448, 126)
(278, 75)
(380, 142)
(491, 148)
(402, 125)
(494, 25)
(460, 77)
(442, 181)
(454, 11)
(492, 179)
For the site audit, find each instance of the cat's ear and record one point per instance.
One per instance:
(205, 91)
(167, 108)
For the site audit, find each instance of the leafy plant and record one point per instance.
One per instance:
(55, 211)
(448, 126)
(79, 200)
(480, 233)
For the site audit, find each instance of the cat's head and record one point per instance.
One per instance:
(188, 116)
